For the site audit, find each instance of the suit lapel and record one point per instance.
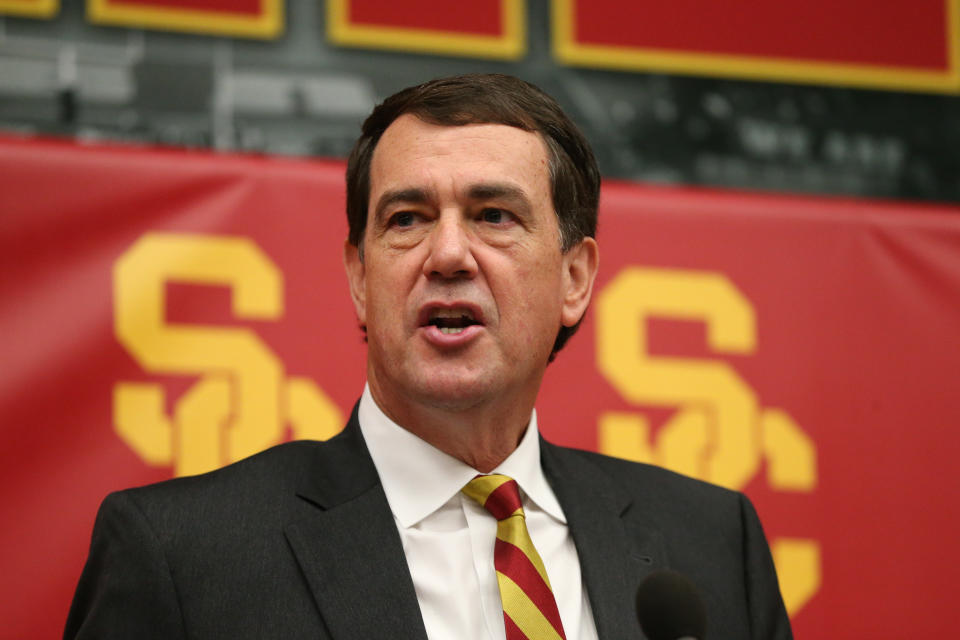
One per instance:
(351, 555)
(615, 556)
(349, 548)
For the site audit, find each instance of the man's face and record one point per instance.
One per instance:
(463, 285)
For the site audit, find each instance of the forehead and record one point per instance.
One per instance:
(411, 150)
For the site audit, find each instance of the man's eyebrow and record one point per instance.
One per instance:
(412, 195)
(480, 191)
(494, 190)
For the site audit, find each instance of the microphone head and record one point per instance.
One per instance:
(669, 607)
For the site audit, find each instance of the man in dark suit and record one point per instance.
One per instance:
(471, 259)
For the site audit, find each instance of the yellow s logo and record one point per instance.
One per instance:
(242, 402)
(718, 432)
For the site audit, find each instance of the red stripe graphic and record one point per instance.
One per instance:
(480, 17)
(513, 631)
(898, 33)
(513, 562)
(503, 500)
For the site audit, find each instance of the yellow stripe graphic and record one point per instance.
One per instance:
(515, 532)
(35, 9)
(267, 23)
(481, 487)
(523, 612)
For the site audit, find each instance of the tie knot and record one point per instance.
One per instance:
(497, 494)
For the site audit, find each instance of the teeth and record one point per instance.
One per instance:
(450, 330)
(451, 313)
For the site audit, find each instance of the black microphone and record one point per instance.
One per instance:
(669, 607)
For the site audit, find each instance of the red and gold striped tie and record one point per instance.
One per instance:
(529, 608)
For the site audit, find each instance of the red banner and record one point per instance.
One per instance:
(482, 29)
(166, 312)
(896, 44)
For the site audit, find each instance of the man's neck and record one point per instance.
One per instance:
(481, 435)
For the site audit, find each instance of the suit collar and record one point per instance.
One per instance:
(342, 469)
(419, 479)
(351, 555)
(348, 548)
(616, 551)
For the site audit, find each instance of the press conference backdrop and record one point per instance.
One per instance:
(164, 311)
(167, 312)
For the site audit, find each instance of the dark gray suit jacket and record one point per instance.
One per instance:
(299, 542)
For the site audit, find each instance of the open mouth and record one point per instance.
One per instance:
(451, 321)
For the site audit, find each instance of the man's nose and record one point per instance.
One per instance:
(450, 255)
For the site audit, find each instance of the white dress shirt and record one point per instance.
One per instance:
(448, 538)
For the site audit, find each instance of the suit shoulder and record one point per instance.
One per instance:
(272, 465)
(264, 482)
(651, 482)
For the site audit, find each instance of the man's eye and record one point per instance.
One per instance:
(494, 216)
(403, 219)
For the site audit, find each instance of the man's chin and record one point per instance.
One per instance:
(455, 392)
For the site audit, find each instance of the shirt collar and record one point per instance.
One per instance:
(418, 478)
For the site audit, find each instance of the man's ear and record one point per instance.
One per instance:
(353, 265)
(579, 271)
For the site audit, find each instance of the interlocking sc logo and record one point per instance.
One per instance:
(243, 401)
(718, 432)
